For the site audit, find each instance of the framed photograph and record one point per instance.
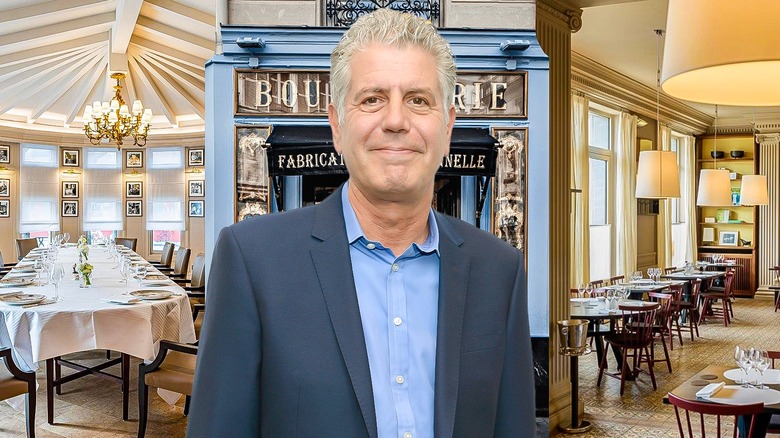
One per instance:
(134, 189)
(70, 157)
(195, 157)
(197, 188)
(196, 209)
(134, 159)
(70, 208)
(5, 154)
(5, 187)
(252, 181)
(728, 238)
(70, 189)
(4, 208)
(133, 208)
(509, 215)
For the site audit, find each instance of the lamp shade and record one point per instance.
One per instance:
(723, 52)
(657, 176)
(714, 188)
(753, 191)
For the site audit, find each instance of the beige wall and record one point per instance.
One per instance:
(8, 224)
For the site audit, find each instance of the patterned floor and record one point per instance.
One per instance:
(640, 412)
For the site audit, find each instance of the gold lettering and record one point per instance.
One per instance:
(322, 160)
(281, 161)
(498, 89)
(459, 90)
(457, 164)
(299, 160)
(264, 93)
(477, 96)
(332, 161)
(481, 162)
(289, 94)
(309, 160)
(307, 85)
(290, 162)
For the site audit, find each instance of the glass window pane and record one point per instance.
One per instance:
(598, 192)
(159, 237)
(600, 251)
(599, 131)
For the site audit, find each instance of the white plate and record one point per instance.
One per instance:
(21, 299)
(149, 294)
(16, 282)
(156, 283)
(158, 277)
(771, 377)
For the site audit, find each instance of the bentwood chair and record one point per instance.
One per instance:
(633, 338)
(706, 408)
(128, 242)
(24, 246)
(166, 256)
(180, 266)
(691, 308)
(615, 280)
(661, 325)
(173, 369)
(597, 283)
(714, 296)
(14, 382)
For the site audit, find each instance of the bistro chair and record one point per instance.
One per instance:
(196, 284)
(633, 338)
(691, 308)
(615, 280)
(661, 325)
(24, 246)
(671, 270)
(4, 267)
(14, 382)
(180, 266)
(173, 369)
(717, 295)
(128, 242)
(597, 283)
(166, 256)
(706, 408)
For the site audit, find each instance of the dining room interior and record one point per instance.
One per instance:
(141, 124)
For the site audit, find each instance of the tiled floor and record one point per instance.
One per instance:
(640, 412)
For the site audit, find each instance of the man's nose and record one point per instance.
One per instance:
(396, 117)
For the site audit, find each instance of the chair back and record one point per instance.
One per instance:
(728, 283)
(198, 278)
(705, 408)
(695, 289)
(671, 270)
(166, 256)
(24, 246)
(638, 321)
(615, 280)
(127, 242)
(664, 313)
(597, 283)
(773, 355)
(182, 261)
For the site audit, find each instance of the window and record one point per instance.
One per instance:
(39, 189)
(165, 195)
(680, 228)
(43, 237)
(103, 211)
(96, 235)
(599, 199)
(677, 212)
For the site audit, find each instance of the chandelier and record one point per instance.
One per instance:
(114, 121)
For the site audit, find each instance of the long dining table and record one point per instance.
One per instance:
(111, 315)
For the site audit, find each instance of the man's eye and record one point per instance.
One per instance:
(371, 100)
(419, 101)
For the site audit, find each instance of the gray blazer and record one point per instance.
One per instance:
(282, 352)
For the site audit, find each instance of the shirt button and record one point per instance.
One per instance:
(399, 380)
(370, 246)
(397, 321)
(395, 267)
(407, 435)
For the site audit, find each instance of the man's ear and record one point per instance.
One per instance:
(450, 125)
(333, 119)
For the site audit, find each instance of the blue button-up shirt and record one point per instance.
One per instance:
(398, 299)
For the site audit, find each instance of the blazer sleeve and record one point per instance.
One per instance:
(516, 416)
(226, 392)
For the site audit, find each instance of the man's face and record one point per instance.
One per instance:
(394, 134)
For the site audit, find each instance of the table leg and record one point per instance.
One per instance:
(577, 426)
(50, 390)
(57, 375)
(125, 384)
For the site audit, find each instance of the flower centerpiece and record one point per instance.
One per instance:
(85, 274)
(83, 249)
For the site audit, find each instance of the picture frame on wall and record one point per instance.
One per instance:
(134, 159)
(134, 189)
(70, 157)
(5, 208)
(5, 154)
(70, 189)
(195, 157)
(252, 196)
(197, 188)
(70, 208)
(509, 215)
(728, 238)
(5, 187)
(134, 209)
(197, 209)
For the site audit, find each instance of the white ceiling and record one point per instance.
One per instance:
(56, 57)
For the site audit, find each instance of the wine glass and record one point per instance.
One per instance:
(38, 266)
(737, 354)
(745, 364)
(55, 277)
(761, 363)
(581, 289)
(140, 273)
(124, 270)
(65, 238)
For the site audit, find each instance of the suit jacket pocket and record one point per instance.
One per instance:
(482, 342)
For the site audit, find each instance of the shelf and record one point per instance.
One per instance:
(724, 160)
(726, 223)
(731, 248)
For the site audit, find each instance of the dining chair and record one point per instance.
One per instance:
(671, 270)
(707, 408)
(14, 382)
(172, 369)
(615, 280)
(691, 309)
(661, 325)
(24, 246)
(128, 242)
(597, 283)
(633, 338)
(715, 295)
(5, 267)
(180, 265)
(166, 256)
(196, 284)
(774, 421)
(198, 313)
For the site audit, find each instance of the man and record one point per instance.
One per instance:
(369, 315)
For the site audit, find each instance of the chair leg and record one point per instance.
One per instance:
(29, 410)
(650, 370)
(187, 405)
(624, 369)
(57, 374)
(143, 399)
(602, 365)
(666, 352)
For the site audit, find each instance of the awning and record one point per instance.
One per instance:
(308, 150)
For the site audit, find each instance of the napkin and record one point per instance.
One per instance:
(122, 299)
(710, 390)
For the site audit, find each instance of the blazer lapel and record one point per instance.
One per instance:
(453, 278)
(332, 262)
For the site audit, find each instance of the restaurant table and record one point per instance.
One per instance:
(84, 319)
(714, 374)
(638, 288)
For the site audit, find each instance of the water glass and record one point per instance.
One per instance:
(761, 362)
(56, 275)
(745, 364)
(140, 273)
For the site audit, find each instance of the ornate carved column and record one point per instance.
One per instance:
(555, 22)
(768, 215)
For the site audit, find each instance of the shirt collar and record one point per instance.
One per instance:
(355, 231)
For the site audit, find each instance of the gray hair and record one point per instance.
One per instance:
(393, 28)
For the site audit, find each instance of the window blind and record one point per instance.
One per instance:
(39, 181)
(102, 190)
(165, 189)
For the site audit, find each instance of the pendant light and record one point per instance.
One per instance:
(714, 184)
(657, 174)
(753, 190)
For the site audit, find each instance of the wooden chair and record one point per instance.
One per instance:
(691, 307)
(196, 285)
(716, 295)
(198, 313)
(661, 325)
(173, 369)
(633, 338)
(671, 270)
(615, 280)
(774, 421)
(180, 266)
(24, 246)
(719, 410)
(128, 242)
(14, 382)
(597, 283)
(166, 256)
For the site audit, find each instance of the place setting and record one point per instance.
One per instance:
(24, 300)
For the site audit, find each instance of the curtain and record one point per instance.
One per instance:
(165, 189)
(580, 219)
(102, 190)
(39, 188)
(665, 213)
(625, 196)
(688, 194)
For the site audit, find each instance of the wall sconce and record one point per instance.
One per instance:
(134, 172)
(71, 172)
(195, 171)
(6, 169)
